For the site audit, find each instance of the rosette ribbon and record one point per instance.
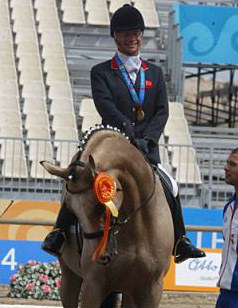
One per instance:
(105, 190)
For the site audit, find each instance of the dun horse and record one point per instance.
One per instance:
(125, 219)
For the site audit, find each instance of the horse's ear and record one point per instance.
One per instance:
(55, 170)
(92, 165)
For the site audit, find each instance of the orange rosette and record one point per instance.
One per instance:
(105, 190)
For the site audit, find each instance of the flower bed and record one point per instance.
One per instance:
(36, 280)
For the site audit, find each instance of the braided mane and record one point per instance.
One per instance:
(89, 133)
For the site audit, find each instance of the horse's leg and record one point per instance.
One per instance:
(93, 297)
(70, 287)
(91, 294)
(150, 298)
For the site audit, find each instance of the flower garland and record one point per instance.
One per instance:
(36, 280)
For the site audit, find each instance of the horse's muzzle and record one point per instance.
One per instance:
(107, 259)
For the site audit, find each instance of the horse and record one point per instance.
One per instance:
(125, 221)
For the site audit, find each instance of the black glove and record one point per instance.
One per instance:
(128, 129)
(142, 145)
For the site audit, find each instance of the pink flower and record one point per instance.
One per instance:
(56, 263)
(13, 277)
(30, 287)
(45, 288)
(32, 262)
(43, 278)
(58, 282)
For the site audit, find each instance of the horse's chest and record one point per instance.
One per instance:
(141, 264)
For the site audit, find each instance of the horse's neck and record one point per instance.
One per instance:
(145, 203)
(112, 151)
(139, 188)
(96, 139)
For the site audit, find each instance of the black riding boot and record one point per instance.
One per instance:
(183, 248)
(54, 241)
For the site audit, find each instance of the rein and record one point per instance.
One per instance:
(144, 202)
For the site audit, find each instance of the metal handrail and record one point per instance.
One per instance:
(10, 221)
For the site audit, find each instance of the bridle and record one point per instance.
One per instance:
(116, 223)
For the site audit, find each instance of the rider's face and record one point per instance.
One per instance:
(129, 41)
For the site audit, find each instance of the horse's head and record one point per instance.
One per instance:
(94, 197)
(106, 174)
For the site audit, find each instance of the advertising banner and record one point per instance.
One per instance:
(14, 253)
(195, 274)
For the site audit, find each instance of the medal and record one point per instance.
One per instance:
(140, 115)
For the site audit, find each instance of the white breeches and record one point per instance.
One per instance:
(173, 182)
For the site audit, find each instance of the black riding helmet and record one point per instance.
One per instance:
(126, 17)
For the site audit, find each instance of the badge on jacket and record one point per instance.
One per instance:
(149, 84)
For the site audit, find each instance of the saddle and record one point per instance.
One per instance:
(167, 186)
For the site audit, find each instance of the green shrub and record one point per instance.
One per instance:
(36, 280)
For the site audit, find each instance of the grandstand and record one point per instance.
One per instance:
(47, 49)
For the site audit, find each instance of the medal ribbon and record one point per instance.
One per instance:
(139, 101)
(233, 199)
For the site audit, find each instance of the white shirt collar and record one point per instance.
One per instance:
(130, 62)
